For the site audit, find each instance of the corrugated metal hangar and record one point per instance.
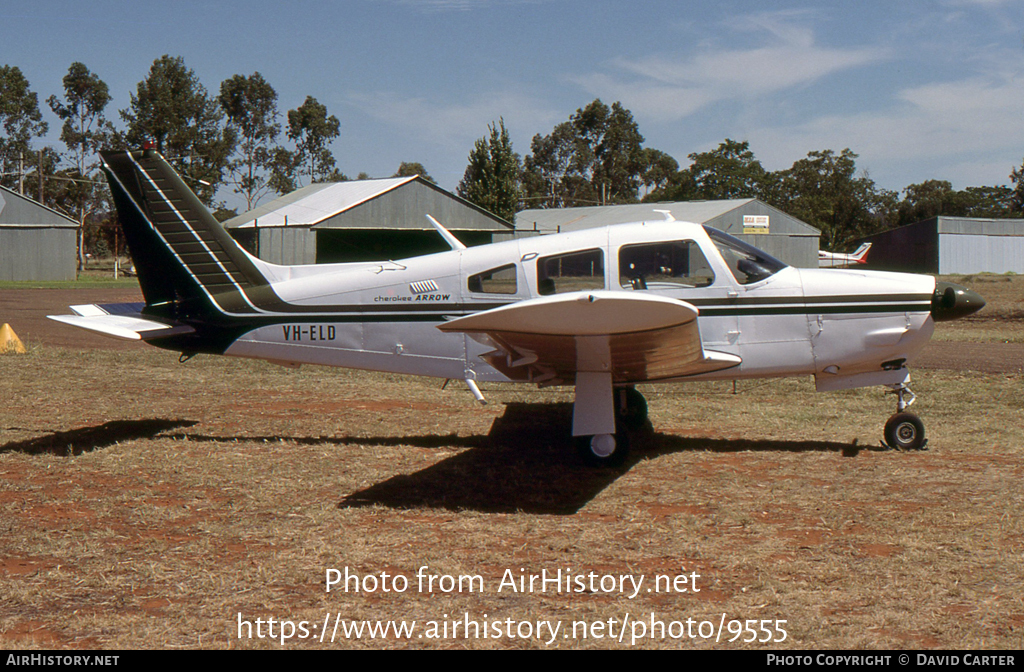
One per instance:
(950, 245)
(363, 220)
(749, 219)
(36, 243)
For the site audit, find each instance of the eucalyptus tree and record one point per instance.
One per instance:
(659, 168)
(825, 190)
(1017, 177)
(410, 168)
(594, 157)
(172, 111)
(728, 171)
(933, 198)
(250, 104)
(996, 202)
(312, 130)
(20, 122)
(84, 131)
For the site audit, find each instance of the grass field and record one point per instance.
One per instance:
(150, 504)
(101, 275)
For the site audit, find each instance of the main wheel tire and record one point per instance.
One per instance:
(603, 450)
(904, 431)
(631, 408)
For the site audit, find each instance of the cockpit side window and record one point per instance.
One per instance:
(573, 272)
(501, 280)
(747, 263)
(664, 265)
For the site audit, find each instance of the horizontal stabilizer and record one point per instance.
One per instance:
(121, 320)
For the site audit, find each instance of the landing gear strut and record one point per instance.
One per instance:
(630, 408)
(904, 431)
(611, 449)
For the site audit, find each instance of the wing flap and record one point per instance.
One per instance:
(638, 337)
(121, 320)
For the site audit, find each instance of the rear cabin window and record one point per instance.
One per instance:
(573, 272)
(501, 280)
(667, 265)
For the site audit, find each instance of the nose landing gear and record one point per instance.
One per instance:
(904, 431)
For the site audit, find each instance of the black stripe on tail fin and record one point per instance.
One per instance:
(188, 265)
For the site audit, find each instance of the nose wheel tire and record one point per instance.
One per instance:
(905, 431)
(605, 450)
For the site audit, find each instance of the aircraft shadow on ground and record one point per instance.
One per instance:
(87, 439)
(527, 463)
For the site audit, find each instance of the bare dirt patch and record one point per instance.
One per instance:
(995, 358)
(26, 310)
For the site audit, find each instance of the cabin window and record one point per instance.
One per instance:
(668, 265)
(573, 272)
(501, 280)
(747, 263)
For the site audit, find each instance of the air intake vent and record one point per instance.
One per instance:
(424, 287)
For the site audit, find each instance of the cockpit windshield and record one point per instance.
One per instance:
(747, 263)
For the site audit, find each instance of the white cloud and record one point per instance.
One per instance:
(968, 131)
(998, 11)
(669, 88)
(447, 122)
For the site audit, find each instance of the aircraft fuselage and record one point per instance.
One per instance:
(847, 328)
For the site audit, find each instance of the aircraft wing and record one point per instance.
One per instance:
(637, 337)
(121, 320)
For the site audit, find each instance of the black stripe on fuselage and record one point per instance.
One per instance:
(722, 311)
(813, 300)
(708, 307)
(218, 337)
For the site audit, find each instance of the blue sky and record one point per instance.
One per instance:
(919, 89)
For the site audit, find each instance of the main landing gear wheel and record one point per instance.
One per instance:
(630, 408)
(605, 450)
(904, 431)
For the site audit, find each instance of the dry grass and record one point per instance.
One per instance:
(145, 504)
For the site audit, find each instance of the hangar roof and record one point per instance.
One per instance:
(979, 226)
(391, 203)
(21, 211)
(701, 212)
(311, 205)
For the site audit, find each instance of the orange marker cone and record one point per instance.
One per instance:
(9, 341)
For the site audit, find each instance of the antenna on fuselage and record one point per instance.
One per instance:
(452, 241)
(668, 215)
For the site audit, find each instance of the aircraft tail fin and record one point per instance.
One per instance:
(861, 253)
(187, 263)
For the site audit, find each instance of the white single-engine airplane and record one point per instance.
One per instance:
(840, 260)
(600, 309)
